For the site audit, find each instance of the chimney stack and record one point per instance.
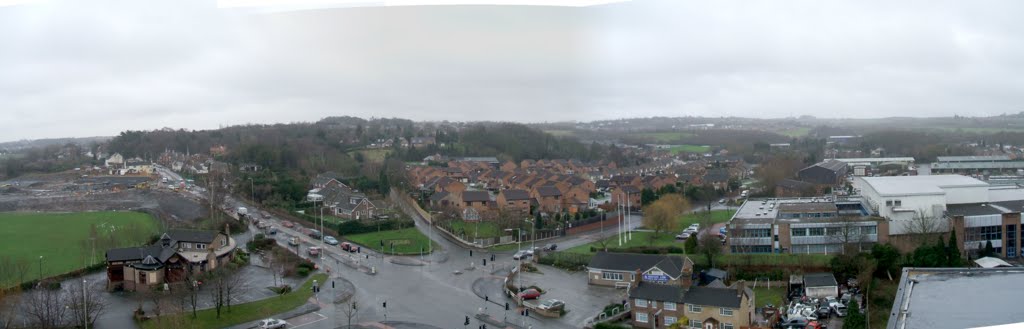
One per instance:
(637, 275)
(741, 285)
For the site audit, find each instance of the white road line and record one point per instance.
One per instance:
(322, 317)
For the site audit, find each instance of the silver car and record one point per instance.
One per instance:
(272, 324)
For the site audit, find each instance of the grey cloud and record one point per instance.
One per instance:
(70, 68)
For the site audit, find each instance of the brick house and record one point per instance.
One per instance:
(176, 256)
(514, 199)
(660, 306)
(478, 200)
(549, 198)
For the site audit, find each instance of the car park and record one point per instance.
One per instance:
(838, 309)
(272, 324)
(529, 294)
(552, 304)
(330, 240)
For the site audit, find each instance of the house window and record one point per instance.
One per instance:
(898, 203)
(641, 317)
(640, 302)
(888, 203)
(726, 326)
(725, 311)
(200, 246)
(670, 320)
(611, 276)
(695, 309)
(694, 324)
(670, 306)
(654, 303)
(186, 245)
(869, 230)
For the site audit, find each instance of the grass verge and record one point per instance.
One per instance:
(407, 241)
(240, 313)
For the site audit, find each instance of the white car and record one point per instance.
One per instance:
(272, 324)
(685, 235)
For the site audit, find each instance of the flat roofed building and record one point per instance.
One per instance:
(901, 198)
(923, 299)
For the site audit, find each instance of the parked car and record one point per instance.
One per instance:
(287, 224)
(522, 254)
(314, 251)
(794, 322)
(721, 200)
(347, 246)
(529, 294)
(551, 247)
(294, 241)
(314, 234)
(272, 230)
(272, 324)
(330, 240)
(838, 309)
(552, 304)
(683, 236)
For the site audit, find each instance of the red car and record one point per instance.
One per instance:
(287, 224)
(529, 294)
(347, 246)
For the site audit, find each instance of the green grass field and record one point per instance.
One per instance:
(640, 239)
(372, 155)
(686, 148)
(63, 239)
(478, 229)
(665, 137)
(241, 313)
(795, 132)
(407, 241)
(717, 216)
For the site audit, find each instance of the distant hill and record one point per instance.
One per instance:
(39, 143)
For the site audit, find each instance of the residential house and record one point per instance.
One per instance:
(514, 199)
(177, 256)
(326, 179)
(508, 166)
(627, 195)
(718, 178)
(116, 161)
(619, 269)
(423, 141)
(660, 306)
(549, 198)
(480, 201)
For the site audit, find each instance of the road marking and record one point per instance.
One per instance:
(322, 317)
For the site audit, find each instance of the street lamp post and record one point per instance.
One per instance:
(40, 268)
(252, 190)
(85, 305)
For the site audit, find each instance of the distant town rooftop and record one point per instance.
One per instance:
(769, 208)
(916, 185)
(986, 298)
(978, 165)
(877, 160)
(973, 158)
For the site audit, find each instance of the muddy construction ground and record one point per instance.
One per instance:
(57, 193)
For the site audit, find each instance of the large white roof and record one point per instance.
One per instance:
(927, 184)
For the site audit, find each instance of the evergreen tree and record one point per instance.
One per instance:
(989, 250)
(954, 259)
(854, 318)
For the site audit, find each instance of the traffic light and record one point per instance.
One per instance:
(332, 284)
(467, 321)
(506, 306)
(471, 253)
(485, 261)
(487, 298)
(385, 304)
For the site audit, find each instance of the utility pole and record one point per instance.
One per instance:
(618, 219)
(85, 305)
(629, 219)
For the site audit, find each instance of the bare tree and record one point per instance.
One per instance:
(233, 283)
(9, 300)
(85, 304)
(350, 310)
(44, 308)
(848, 233)
(923, 227)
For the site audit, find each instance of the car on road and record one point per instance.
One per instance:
(314, 234)
(523, 254)
(347, 247)
(314, 251)
(272, 324)
(683, 236)
(530, 294)
(293, 241)
(551, 247)
(272, 230)
(287, 224)
(552, 304)
(330, 240)
(720, 201)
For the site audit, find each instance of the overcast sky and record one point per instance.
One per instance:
(86, 68)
